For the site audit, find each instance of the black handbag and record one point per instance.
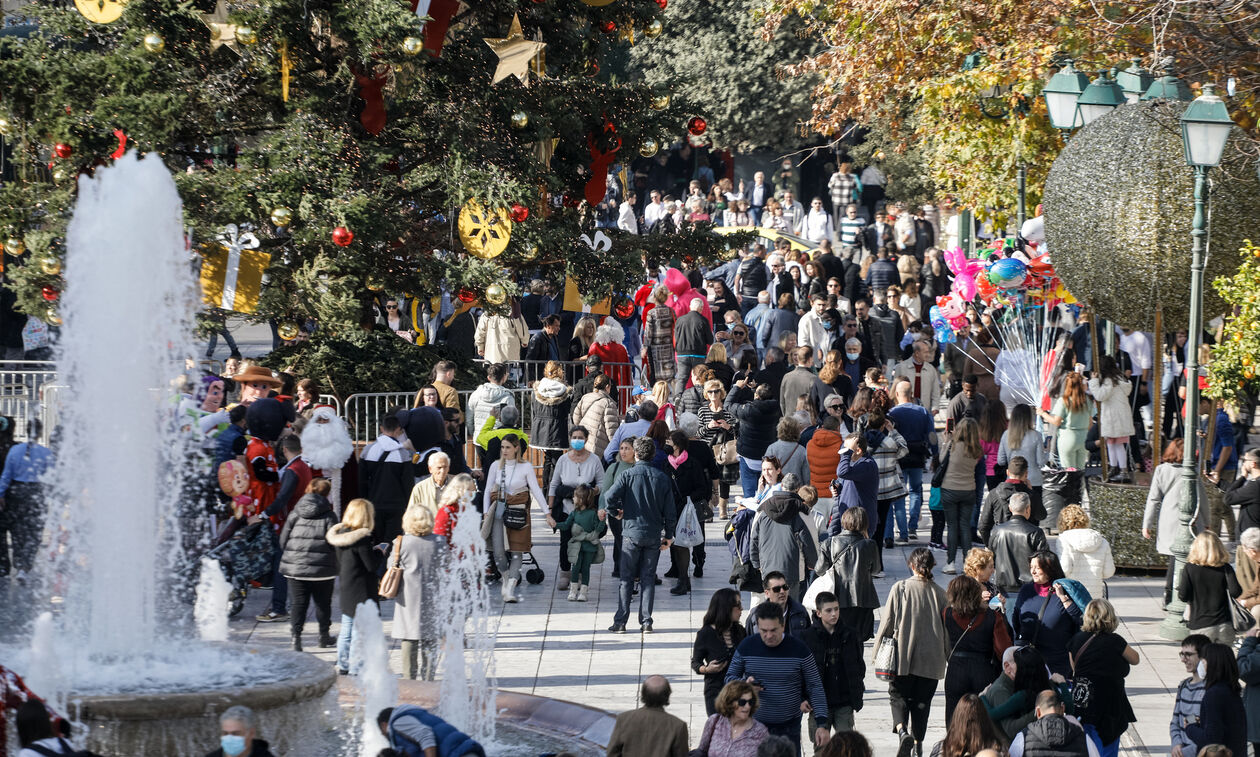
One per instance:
(938, 475)
(515, 518)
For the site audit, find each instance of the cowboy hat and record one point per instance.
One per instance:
(256, 374)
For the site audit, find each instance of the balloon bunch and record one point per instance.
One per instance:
(1002, 276)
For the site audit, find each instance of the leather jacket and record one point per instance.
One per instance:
(1014, 543)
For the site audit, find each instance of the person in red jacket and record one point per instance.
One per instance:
(608, 346)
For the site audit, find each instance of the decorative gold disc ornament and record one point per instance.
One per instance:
(100, 11)
(484, 234)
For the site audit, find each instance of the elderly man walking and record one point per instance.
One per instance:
(642, 499)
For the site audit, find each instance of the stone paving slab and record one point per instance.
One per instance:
(550, 647)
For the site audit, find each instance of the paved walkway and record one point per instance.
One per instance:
(555, 648)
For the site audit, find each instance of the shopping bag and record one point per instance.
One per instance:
(687, 533)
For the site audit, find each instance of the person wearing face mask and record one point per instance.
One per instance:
(574, 468)
(239, 735)
(855, 364)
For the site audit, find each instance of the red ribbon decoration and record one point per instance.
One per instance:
(122, 144)
(371, 92)
(601, 159)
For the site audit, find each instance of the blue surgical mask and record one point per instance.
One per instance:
(853, 355)
(232, 745)
(827, 325)
(577, 444)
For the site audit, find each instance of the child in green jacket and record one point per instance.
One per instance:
(584, 547)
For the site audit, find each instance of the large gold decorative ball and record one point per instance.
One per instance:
(288, 331)
(374, 283)
(154, 43)
(282, 216)
(496, 294)
(660, 102)
(648, 147)
(50, 316)
(246, 35)
(654, 28)
(6, 127)
(50, 265)
(15, 246)
(520, 119)
(412, 45)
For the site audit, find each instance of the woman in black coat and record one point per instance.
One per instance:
(1245, 491)
(1101, 658)
(549, 406)
(758, 415)
(308, 562)
(691, 465)
(716, 641)
(1222, 718)
(1206, 584)
(360, 564)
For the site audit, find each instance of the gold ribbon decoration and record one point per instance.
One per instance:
(286, 70)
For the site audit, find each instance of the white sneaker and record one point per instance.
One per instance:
(509, 590)
(581, 595)
(573, 592)
(949, 570)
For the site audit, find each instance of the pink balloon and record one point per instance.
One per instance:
(682, 295)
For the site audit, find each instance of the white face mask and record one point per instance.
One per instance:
(1201, 670)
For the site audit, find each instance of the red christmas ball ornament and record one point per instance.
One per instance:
(519, 213)
(662, 3)
(50, 293)
(466, 295)
(697, 126)
(625, 308)
(592, 67)
(342, 237)
(608, 27)
(63, 150)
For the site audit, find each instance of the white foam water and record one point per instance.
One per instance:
(468, 681)
(378, 686)
(210, 613)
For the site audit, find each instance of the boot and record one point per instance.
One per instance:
(326, 640)
(509, 589)
(581, 595)
(722, 509)
(681, 588)
(563, 581)
(297, 642)
(573, 592)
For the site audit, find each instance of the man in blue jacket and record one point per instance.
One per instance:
(857, 483)
(642, 499)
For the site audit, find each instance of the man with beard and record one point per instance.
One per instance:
(326, 446)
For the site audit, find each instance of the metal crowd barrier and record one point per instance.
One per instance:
(21, 384)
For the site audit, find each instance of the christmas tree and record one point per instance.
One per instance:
(329, 150)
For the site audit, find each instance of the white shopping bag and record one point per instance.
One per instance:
(687, 532)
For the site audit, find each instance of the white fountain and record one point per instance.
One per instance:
(117, 655)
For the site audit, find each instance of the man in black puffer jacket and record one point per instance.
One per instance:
(758, 415)
(1052, 734)
(309, 562)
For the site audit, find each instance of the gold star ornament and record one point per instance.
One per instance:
(515, 53)
(221, 31)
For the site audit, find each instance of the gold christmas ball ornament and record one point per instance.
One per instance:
(660, 102)
(496, 294)
(50, 316)
(412, 45)
(15, 246)
(282, 216)
(154, 43)
(246, 35)
(60, 175)
(654, 28)
(374, 283)
(520, 119)
(530, 252)
(484, 233)
(6, 127)
(649, 147)
(288, 331)
(50, 265)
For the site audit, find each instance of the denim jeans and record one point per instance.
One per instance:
(637, 561)
(896, 512)
(748, 478)
(790, 729)
(682, 371)
(1104, 750)
(344, 637)
(913, 479)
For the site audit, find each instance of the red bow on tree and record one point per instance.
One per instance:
(371, 86)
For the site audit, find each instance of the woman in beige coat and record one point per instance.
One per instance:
(913, 618)
(499, 338)
(596, 411)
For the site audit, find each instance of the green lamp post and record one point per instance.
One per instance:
(1169, 86)
(1102, 96)
(1134, 80)
(1061, 94)
(1205, 127)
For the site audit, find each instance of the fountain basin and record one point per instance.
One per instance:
(289, 712)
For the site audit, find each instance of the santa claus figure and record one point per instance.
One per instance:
(326, 446)
(682, 293)
(608, 346)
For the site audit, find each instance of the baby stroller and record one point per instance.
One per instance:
(245, 559)
(533, 575)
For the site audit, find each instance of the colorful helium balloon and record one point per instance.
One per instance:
(946, 335)
(1008, 273)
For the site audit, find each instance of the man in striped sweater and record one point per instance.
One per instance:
(781, 667)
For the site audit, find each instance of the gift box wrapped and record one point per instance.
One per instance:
(232, 279)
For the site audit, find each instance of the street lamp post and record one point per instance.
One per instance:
(1101, 97)
(1205, 127)
(1061, 93)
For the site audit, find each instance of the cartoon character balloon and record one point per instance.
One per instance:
(944, 333)
(954, 309)
(683, 293)
(233, 478)
(1007, 273)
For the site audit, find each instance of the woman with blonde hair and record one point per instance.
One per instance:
(1207, 582)
(665, 409)
(1083, 552)
(415, 607)
(583, 338)
(958, 490)
(717, 429)
(1102, 658)
(979, 565)
(359, 564)
(1071, 414)
(716, 361)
